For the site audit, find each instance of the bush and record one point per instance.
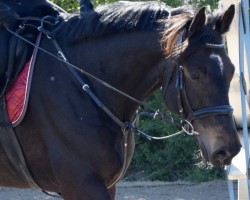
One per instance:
(168, 160)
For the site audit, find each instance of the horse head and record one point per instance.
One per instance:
(200, 79)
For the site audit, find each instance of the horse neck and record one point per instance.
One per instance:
(131, 62)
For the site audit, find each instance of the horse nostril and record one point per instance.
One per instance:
(224, 156)
(221, 156)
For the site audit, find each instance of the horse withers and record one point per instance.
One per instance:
(76, 149)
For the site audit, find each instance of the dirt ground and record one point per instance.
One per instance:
(214, 190)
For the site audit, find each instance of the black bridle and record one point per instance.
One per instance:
(182, 98)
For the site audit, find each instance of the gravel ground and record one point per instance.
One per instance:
(214, 190)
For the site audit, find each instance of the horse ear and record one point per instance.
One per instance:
(224, 22)
(198, 21)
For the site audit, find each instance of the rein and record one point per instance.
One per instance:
(126, 127)
(183, 124)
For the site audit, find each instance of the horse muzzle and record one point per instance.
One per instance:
(218, 157)
(224, 156)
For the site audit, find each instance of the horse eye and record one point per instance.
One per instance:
(195, 76)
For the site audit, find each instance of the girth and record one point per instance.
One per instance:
(8, 139)
(12, 148)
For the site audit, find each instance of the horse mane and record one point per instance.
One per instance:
(126, 16)
(122, 16)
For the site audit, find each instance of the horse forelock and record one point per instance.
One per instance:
(119, 17)
(179, 27)
(173, 37)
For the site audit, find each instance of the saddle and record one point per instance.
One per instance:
(19, 53)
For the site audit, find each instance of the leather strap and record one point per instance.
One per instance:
(211, 111)
(12, 147)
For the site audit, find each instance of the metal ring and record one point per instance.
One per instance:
(156, 113)
(190, 125)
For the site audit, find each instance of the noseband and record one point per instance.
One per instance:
(182, 97)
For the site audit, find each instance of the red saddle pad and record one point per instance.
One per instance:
(17, 95)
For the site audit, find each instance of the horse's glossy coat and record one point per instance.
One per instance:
(71, 146)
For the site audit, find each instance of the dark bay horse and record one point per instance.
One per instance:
(71, 145)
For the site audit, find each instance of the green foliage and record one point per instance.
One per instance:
(72, 5)
(213, 4)
(98, 2)
(68, 5)
(172, 159)
(201, 174)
